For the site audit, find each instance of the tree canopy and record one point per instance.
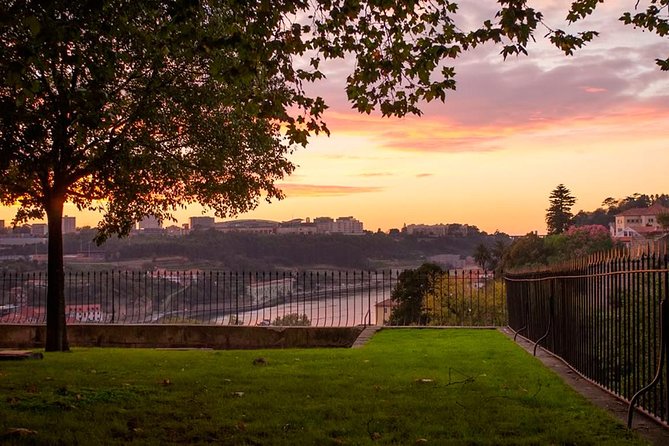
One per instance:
(558, 214)
(409, 294)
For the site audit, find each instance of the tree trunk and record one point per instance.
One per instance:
(56, 329)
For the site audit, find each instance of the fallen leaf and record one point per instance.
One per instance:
(238, 394)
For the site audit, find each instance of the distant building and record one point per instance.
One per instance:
(383, 311)
(201, 223)
(175, 230)
(296, 226)
(343, 225)
(248, 226)
(324, 225)
(150, 222)
(69, 225)
(2, 225)
(639, 224)
(439, 230)
(83, 313)
(348, 225)
(39, 229)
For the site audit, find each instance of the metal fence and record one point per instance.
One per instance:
(603, 315)
(322, 299)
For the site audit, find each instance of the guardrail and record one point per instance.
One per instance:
(603, 316)
(318, 298)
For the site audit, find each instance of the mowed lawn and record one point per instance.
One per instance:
(405, 387)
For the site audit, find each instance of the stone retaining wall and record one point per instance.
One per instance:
(183, 336)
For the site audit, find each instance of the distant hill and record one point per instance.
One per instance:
(242, 251)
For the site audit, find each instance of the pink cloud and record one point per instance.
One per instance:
(594, 90)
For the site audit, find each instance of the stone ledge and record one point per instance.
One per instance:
(183, 336)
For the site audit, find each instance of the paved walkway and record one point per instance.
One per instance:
(365, 335)
(647, 427)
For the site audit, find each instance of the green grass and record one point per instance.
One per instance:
(406, 387)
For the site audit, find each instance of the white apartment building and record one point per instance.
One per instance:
(342, 225)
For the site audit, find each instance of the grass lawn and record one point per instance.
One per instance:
(405, 387)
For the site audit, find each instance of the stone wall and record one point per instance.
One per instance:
(183, 336)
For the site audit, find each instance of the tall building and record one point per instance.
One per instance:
(348, 225)
(2, 225)
(201, 223)
(343, 225)
(324, 225)
(69, 225)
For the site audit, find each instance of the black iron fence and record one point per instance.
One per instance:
(323, 298)
(603, 316)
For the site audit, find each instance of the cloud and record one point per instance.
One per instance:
(319, 190)
(374, 174)
(613, 82)
(424, 175)
(594, 90)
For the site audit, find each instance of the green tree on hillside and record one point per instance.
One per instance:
(558, 214)
(525, 251)
(663, 220)
(409, 294)
(482, 256)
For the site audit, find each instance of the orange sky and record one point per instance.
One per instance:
(491, 154)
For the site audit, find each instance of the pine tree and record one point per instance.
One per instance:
(558, 214)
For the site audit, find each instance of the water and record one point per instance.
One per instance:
(344, 311)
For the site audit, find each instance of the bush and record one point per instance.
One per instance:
(292, 320)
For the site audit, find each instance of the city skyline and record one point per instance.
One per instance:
(490, 156)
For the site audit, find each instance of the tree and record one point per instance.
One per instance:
(525, 251)
(558, 214)
(482, 256)
(460, 300)
(409, 294)
(292, 320)
(663, 220)
(577, 242)
(136, 108)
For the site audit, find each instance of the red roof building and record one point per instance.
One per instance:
(639, 223)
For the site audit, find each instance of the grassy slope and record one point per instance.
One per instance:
(443, 386)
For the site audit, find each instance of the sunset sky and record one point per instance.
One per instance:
(491, 154)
